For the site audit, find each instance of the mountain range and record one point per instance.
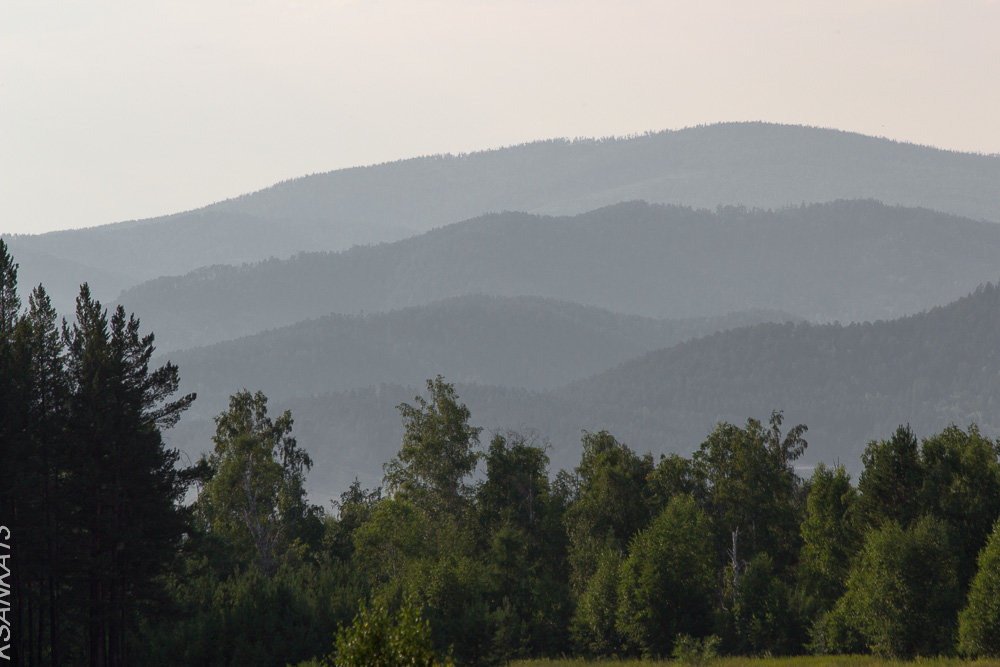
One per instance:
(750, 164)
(846, 261)
(848, 383)
(526, 342)
(649, 285)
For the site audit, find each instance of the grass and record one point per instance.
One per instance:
(806, 660)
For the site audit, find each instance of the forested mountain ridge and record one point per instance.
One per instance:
(849, 384)
(494, 559)
(752, 164)
(527, 342)
(846, 260)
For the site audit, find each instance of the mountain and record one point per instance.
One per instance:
(525, 342)
(847, 260)
(848, 384)
(752, 164)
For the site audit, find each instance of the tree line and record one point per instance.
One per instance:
(88, 491)
(471, 551)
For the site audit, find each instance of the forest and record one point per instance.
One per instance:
(472, 550)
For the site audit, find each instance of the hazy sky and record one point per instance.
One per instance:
(112, 110)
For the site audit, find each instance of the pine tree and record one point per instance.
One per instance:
(123, 478)
(17, 472)
(46, 425)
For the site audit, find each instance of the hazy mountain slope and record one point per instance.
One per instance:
(844, 261)
(523, 342)
(849, 384)
(753, 164)
(62, 279)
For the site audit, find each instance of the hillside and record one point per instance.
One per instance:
(751, 164)
(849, 384)
(847, 261)
(519, 342)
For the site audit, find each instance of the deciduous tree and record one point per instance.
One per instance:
(830, 537)
(753, 492)
(903, 593)
(979, 622)
(438, 453)
(256, 497)
(667, 583)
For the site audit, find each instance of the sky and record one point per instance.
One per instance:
(113, 110)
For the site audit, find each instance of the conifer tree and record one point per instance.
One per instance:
(45, 417)
(17, 506)
(123, 479)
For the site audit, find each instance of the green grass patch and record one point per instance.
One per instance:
(806, 660)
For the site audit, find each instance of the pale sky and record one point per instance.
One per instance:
(113, 110)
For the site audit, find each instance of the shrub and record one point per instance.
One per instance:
(378, 638)
(695, 652)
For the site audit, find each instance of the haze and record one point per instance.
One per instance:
(113, 111)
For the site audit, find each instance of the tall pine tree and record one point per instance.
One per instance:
(124, 479)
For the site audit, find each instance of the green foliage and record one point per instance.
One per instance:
(891, 481)
(830, 537)
(378, 638)
(516, 489)
(979, 622)
(438, 451)
(594, 627)
(695, 652)
(355, 508)
(961, 486)
(521, 519)
(834, 633)
(400, 553)
(753, 489)
(385, 545)
(611, 503)
(248, 618)
(667, 582)
(674, 475)
(762, 615)
(454, 591)
(853, 660)
(903, 594)
(255, 497)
